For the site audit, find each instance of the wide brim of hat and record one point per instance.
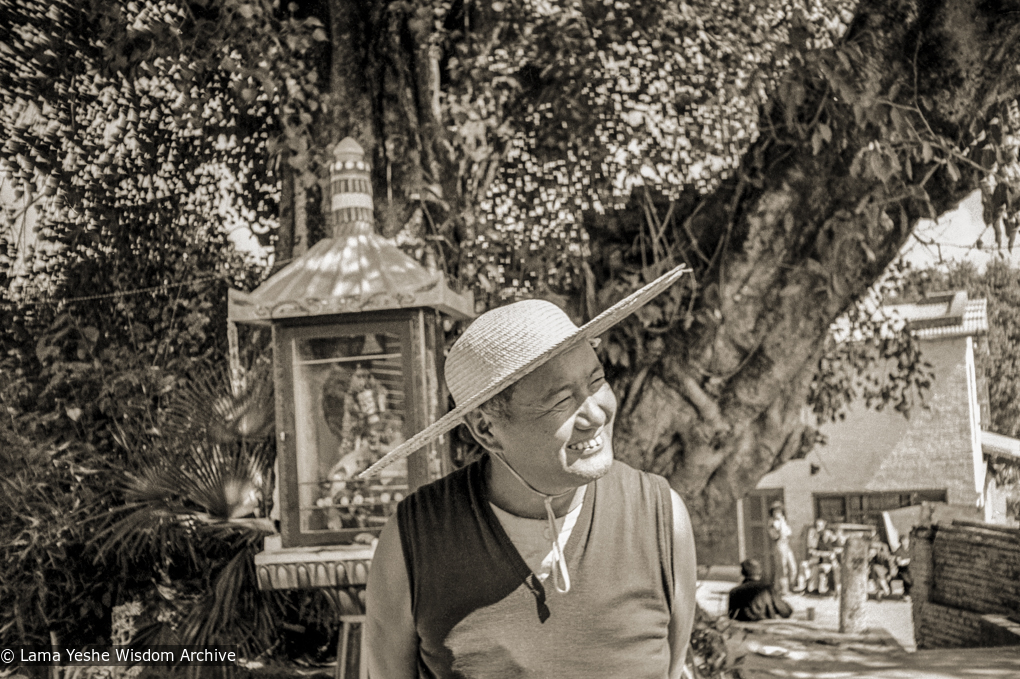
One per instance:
(589, 330)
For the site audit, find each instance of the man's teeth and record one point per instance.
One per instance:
(590, 444)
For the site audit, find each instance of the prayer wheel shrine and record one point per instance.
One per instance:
(357, 333)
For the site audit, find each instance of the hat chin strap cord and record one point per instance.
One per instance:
(561, 577)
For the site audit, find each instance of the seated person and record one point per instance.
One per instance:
(829, 551)
(753, 599)
(902, 559)
(820, 571)
(881, 567)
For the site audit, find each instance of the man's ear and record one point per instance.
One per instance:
(480, 425)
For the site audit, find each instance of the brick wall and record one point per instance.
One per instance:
(946, 627)
(977, 568)
(966, 585)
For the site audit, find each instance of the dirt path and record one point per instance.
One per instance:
(803, 648)
(891, 615)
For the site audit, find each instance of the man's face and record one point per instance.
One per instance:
(559, 429)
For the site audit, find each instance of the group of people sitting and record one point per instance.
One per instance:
(884, 566)
(819, 573)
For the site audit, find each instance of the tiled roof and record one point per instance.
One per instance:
(922, 311)
(997, 445)
(974, 322)
(944, 315)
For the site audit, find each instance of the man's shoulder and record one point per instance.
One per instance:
(622, 472)
(631, 490)
(440, 491)
(751, 587)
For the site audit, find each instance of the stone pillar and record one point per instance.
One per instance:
(854, 592)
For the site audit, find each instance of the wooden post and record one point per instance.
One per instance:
(854, 586)
(55, 667)
(234, 357)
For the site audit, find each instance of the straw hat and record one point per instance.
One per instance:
(503, 345)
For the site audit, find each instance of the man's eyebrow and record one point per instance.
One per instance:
(554, 391)
(565, 387)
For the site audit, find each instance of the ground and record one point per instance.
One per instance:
(809, 645)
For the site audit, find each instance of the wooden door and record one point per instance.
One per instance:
(756, 519)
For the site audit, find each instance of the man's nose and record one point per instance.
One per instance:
(591, 415)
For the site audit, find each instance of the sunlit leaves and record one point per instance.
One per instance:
(871, 358)
(579, 103)
(126, 121)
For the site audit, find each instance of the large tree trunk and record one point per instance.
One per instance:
(802, 237)
(383, 91)
(790, 241)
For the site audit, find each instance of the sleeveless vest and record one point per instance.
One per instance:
(480, 613)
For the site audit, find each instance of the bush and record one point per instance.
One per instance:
(49, 582)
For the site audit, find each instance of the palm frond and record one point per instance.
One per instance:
(192, 498)
(232, 610)
(210, 406)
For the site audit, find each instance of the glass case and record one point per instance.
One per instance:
(353, 394)
(349, 412)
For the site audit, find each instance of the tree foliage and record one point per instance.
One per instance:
(502, 134)
(129, 153)
(134, 138)
(49, 582)
(129, 122)
(870, 357)
(173, 525)
(195, 498)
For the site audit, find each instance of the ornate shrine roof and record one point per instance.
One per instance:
(356, 270)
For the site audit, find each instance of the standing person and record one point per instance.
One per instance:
(546, 557)
(784, 563)
(754, 600)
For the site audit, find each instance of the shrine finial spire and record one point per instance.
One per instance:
(351, 188)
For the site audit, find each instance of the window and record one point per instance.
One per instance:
(867, 508)
(831, 508)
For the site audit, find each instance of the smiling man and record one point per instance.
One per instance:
(546, 558)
